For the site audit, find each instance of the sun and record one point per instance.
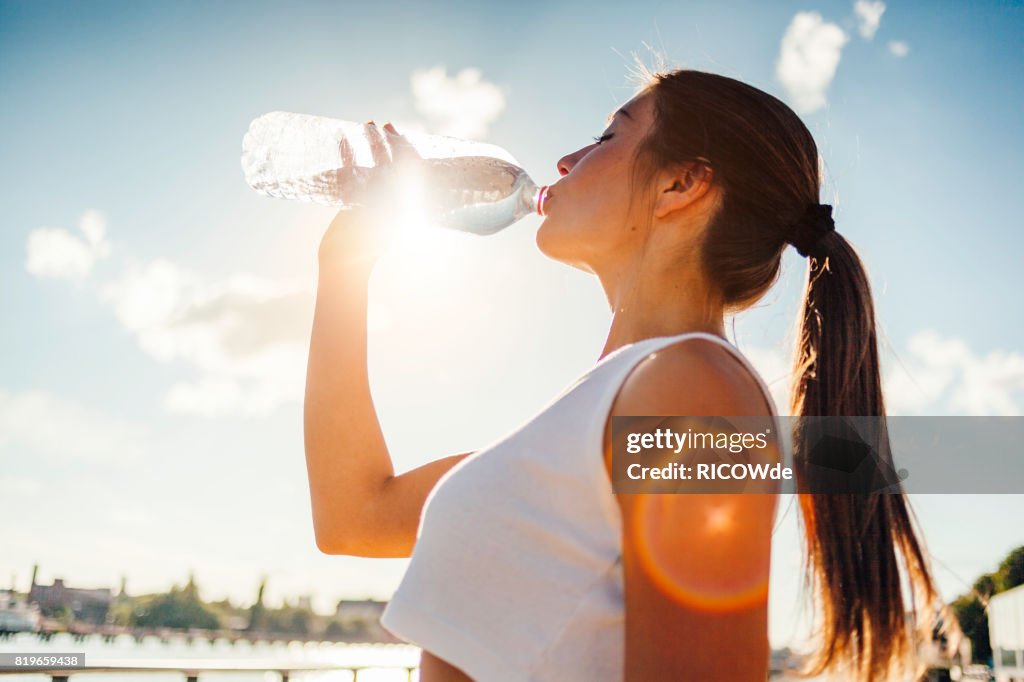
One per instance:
(421, 280)
(420, 283)
(416, 239)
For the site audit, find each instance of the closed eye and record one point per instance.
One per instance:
(604, 138)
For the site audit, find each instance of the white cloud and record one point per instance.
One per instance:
(56, 252)
(943, 375)
(899, 48)
(43, 424)
(808, 58)
(463, 105)
(246, 337)
(210, 397)
(869, 16)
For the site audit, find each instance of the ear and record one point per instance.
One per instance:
(681, 186)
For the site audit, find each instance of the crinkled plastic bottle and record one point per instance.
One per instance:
(465, 185)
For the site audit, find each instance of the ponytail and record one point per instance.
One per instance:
(855, 543)
(767, 165)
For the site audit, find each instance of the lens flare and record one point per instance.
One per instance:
(413, 237)
(696, 549)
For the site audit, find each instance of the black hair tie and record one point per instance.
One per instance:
(814, 224)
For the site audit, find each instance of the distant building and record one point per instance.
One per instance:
(234, 622)
(1006, 634)
(16, 614)
(89, 605)
(361, 619)
(362, 609)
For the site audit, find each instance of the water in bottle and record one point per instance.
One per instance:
(471, 186)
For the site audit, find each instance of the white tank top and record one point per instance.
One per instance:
(517, 569)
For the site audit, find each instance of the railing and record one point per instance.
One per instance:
(79, 631)
(192, 668)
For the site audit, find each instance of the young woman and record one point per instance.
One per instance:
(526, 565)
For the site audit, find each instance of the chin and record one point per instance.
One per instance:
(559, 246)
(551, 241)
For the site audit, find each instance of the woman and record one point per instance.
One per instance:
(527, 565)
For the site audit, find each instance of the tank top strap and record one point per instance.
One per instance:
(641, 349)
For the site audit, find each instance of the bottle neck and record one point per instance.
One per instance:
(540, 196)
(531, 198)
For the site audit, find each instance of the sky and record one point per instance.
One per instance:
(157, 311)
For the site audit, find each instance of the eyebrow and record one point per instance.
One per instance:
(620, 111)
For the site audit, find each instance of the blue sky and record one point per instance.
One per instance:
(157, 310)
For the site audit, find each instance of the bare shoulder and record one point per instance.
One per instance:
(693, 376)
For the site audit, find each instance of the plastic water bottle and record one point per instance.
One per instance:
(465, 185)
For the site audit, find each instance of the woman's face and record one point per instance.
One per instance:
(588, 220)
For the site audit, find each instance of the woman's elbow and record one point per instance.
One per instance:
(363, 546)
(328, 544)
(348, 539)
(334, 538)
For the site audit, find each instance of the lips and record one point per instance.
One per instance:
(542, 199)
(545, 197)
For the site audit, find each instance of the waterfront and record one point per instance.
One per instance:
(391, 658)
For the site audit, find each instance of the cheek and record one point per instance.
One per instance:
(603, 213)
(590, 217)
(607, 203)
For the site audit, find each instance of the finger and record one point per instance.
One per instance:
(401, 148)
(345, 151)
(378, 147)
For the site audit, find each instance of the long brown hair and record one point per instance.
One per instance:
(766, 162)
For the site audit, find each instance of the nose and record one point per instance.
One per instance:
(567, 162)
(563, 165)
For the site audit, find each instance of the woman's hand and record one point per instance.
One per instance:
(358, 235)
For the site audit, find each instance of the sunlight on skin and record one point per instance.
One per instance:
(694, 548)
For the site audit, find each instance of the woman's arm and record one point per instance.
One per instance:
(695, 566)
(359, 506)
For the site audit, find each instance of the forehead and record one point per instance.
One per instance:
(635, 109)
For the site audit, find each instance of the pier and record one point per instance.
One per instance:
(80, 631)
(192, 669)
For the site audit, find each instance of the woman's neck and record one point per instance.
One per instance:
(652, 309)
(625, 330)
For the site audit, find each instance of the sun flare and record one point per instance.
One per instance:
(416, 239)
